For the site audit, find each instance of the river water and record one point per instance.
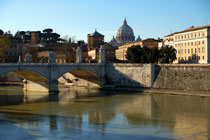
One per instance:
(90, 114)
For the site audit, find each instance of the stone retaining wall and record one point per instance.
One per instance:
(183, 76)
(130, 75)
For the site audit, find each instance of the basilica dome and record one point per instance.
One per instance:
(125, 34)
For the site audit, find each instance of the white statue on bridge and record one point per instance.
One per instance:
(52, 57)
(28, 58)
(102, 54)
(78, 55)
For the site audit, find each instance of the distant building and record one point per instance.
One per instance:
(43, 57)
(125, 35)
(192, 45)
(122, 50)
(94, 40)
(35, 37)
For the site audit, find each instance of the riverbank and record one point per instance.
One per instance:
(162, 91)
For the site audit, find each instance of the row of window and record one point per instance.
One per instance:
(192, 35)
(181, 51)
(190, 58)
(189, 43)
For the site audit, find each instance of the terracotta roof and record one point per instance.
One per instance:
(191, 29)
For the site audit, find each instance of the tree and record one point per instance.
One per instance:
(48, 30)
(138, 54)
(167, 54)
(133, 54)
(1, 32)
(5, 41)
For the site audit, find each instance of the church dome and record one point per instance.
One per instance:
(125, 34)
(125, 30)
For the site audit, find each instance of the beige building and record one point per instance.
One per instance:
(121, 51)
(192, 45)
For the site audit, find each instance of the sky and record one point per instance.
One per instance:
(77, 18)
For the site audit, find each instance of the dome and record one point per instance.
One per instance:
(125, 30)
(125, 34)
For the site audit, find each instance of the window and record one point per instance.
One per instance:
(203, 57)
(202, 42)
(199, 50)
(191, 43)
(185, 51)
(188, 43)
(199, 43)
(185, 58)
(195, 43)
(182, 51)
(188, 50)
(179, 58)
(191, 50)
(199, 34)
(188, 57)
(203, 50)
(178, 51)
(195, 50)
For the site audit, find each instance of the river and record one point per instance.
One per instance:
(91, 114)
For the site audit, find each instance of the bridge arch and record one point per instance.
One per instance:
(28, 75)
(87, 75)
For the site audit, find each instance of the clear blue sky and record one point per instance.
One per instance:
(148, 18)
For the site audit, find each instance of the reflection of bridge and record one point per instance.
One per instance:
(45, 76)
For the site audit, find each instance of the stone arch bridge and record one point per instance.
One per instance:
(44, 76)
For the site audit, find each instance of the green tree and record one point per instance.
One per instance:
(167, 54)
(1, 32)
(133, 54)
(5, 41)
(138, 54)
(48, 30)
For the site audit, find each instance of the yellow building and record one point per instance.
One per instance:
(121, 51)
(192, 45)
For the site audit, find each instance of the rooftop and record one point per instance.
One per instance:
(192, 28)
(95, 34)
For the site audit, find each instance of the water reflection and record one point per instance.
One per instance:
(81, 114)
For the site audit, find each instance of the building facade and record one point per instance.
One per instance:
(94, 40)
(192, 45)
(122, 50)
